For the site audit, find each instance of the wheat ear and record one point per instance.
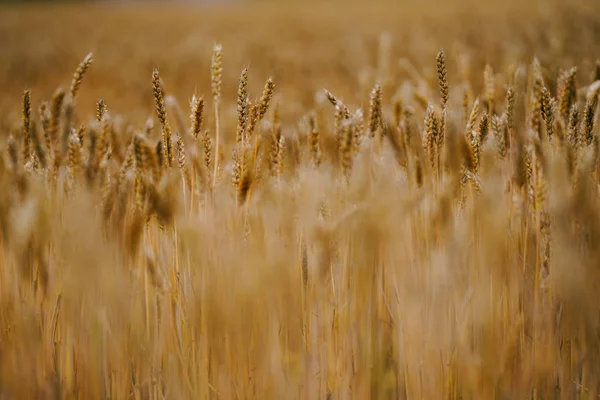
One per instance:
(216, 74)
(80, 73)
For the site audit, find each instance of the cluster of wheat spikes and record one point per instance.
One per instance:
(443, 248)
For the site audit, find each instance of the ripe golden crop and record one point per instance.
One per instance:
(300, 200)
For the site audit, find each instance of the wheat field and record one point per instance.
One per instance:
(315, 200)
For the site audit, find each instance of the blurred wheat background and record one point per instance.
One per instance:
(311, 200)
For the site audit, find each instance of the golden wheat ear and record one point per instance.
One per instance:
(216, 78)
(79, 74)
(75, 162)
(161, 113)
(567, 92)
(242, 107)
(510, 112)
(26, 125)
(375, 109)
(548, 112)
(589, 115)
(337, 103)
(347, 149)
(431, 136)
(265, 98)
(101, 109)
(236, 166)
(216, 71)
(196, 116)
(573, 127)
(442, 77)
